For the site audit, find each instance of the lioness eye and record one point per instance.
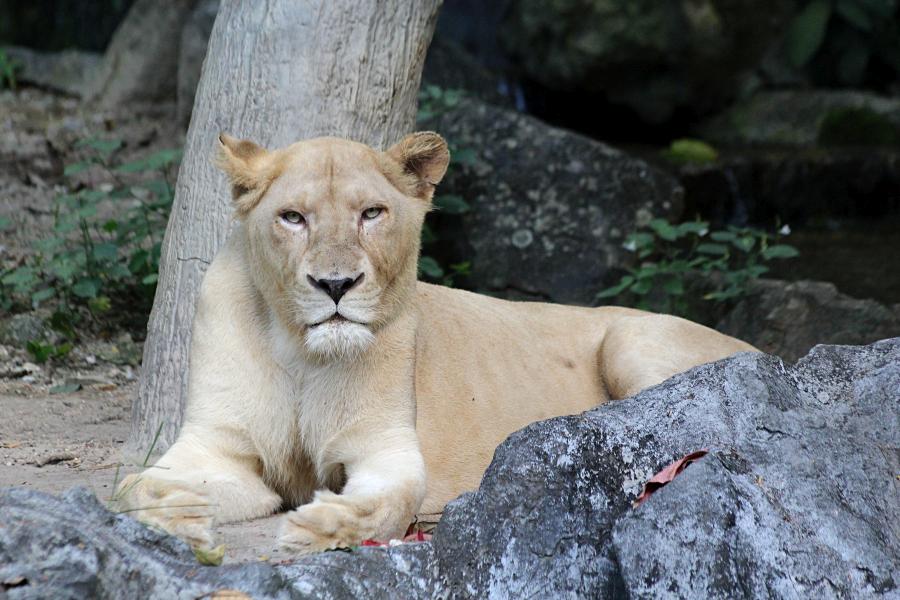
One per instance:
(371, 213)
(292, 217)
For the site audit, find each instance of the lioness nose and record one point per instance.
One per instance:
(336, 288)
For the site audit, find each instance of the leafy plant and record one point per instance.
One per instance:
(105, 242)
(8, 68)
(668, 253)
(434, 101)
(844, 40)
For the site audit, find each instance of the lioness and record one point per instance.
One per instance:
(325, 378)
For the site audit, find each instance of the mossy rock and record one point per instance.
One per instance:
(858, 127)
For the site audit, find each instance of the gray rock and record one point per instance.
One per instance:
(789, 318)
(796, 117)
(72, 547)
(654, 57)
(797, 498)
(67, 71)
(18, 330)
(550, 208)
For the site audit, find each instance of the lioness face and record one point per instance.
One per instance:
(333, 229)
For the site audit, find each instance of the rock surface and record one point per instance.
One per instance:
(797, 118)
(67, 71)
(789, 318)
(550, 208)
(797, 498)
(654, 57)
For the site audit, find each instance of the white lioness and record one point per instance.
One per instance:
(326, 379)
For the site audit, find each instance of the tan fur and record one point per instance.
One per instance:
(364, 422)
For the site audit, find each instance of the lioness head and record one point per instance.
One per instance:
(333, 230)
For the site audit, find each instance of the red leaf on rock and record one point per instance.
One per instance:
(668, 474)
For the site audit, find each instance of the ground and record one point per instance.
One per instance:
(51, 442)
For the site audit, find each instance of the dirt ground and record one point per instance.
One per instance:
(52, 442)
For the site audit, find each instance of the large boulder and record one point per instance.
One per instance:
(797, 498)
(655, 57)
(808, 117)
(789, 318)
(550, 209)
(68, 71)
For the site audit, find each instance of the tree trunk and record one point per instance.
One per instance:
(141, 61)
(276, 71)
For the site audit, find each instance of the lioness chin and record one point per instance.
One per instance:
(325, 378)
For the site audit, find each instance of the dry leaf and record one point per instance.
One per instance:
(236, 594)
(668, 474)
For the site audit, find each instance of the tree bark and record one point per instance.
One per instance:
(141, 61)
(276, 71)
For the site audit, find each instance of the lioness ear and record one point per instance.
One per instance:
(425, 156)
(248, 168)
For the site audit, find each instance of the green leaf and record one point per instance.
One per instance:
(5, 223)
(20, 276)
(723, 236)
(617, 289)
(39, 351)
(157, 160)
(807, 32)
(700, 228)
(41, 295)
(86, 288)
(106, 251)
(76, 168)
(451, 204)
(638, 241)
(717, 249)
(745, 243)
(110, 226)
(780, 251)
(151, 278)
(664, 229)
(642, 286)
(430, 267)
(89, 210)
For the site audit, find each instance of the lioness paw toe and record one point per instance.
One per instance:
(170, 506)
(319, 526)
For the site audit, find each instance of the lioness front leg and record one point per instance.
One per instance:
(194, 486)
(385, 486)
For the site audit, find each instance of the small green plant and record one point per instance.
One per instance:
(668, 252)
(40, 350)
(8, 68)
(434, 101)
(105, 241)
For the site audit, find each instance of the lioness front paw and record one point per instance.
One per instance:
(324, 524)
(168, 505)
